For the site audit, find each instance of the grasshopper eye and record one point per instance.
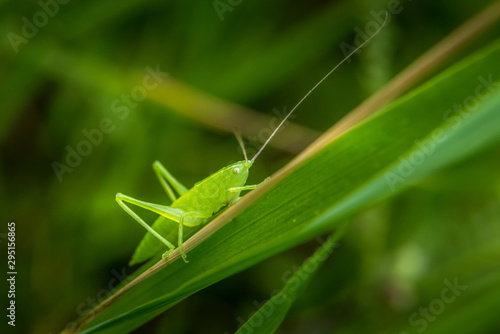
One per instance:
(236, 170)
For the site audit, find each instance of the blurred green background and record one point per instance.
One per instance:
(62, 79)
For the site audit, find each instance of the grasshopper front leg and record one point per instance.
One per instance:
(250, 187)
(238, 189)
(244, 188)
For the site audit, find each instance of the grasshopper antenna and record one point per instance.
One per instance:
(237, 134)
(319, 83)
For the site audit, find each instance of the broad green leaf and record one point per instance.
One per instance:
(268, 317)
(446, 119)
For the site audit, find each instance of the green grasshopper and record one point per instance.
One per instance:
(199, 204)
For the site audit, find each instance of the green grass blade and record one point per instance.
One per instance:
(342, 178)
(270, 316)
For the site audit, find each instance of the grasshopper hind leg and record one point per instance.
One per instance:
(174, 214)
(165, 211)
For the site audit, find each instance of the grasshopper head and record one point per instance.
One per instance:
(238, 172)
(241, 167)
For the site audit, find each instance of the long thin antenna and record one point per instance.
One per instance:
(319, 83)
(242, 145)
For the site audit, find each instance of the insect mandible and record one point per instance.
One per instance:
(198, 205)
